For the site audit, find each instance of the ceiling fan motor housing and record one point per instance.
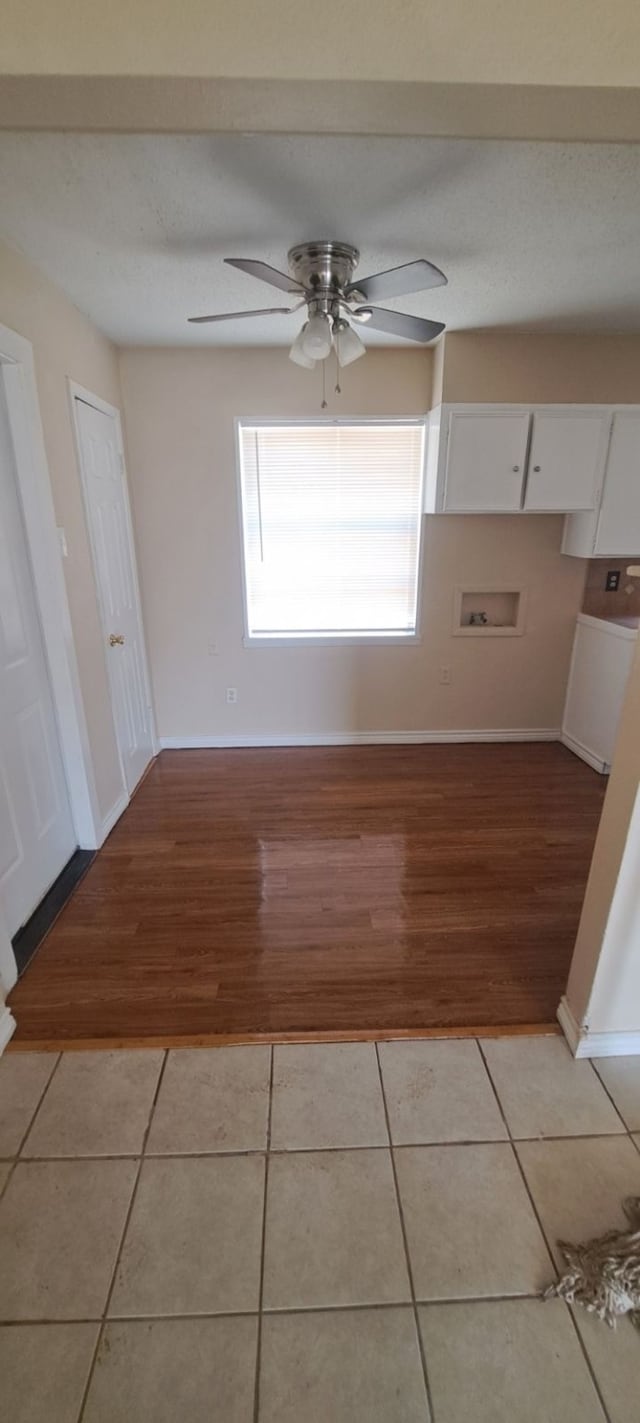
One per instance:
(324, 269)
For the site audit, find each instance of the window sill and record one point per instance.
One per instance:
(376, 640)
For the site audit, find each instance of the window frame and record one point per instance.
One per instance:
(355, 639)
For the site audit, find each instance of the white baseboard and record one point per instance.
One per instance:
(569, 1026)
(113, 816)
(7, 1028)
(583, 1043)
(354, 738)
(611, 1045)
(584, 753)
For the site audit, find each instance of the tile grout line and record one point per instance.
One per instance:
(104, 1320)
(39, 1105)
(32, 1118)
(543, 1232)
(610, 1096)
(256, 1391)
(405, 1241)
(512, 1144)
(573, 1317)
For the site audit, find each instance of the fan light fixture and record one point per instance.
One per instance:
(320, 335)
(321, 277)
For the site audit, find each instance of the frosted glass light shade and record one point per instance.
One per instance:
(349, 347)
(317, 337)
(298, 353)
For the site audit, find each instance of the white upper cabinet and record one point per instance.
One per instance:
(506, 459)
(614, 529)
(485, 461)
(566, 460)
(619, 523)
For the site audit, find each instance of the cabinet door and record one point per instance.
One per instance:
(485, 462)
(566, 460)
(618, 529)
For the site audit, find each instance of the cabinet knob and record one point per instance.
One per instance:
(536, 469)
(516, 469)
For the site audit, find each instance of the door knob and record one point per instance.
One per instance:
(516, 469)
(536, 469)
(116, 639)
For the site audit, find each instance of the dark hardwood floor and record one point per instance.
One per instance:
(344, 889)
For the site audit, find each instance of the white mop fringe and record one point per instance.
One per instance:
(603, 1275)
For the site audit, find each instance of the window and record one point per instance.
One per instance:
(331, 529)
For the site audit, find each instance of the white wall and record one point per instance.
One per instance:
(603, 992)
(180, 408)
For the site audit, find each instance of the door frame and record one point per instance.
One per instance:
(36, 500)
(17, 371)
(79, 392)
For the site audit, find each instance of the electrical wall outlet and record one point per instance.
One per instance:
(445, 676)
(612, 581)
(232, 696)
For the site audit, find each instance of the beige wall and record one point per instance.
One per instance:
(604, 983)
(179, 409)
(483, 365)
(443, 40)
(66, 344)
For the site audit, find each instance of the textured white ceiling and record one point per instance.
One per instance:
(531, 235)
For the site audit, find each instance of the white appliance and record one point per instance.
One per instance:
(602, 655)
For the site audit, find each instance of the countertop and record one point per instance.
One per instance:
(618, 626)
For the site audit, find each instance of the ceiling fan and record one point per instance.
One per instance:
(321, 275)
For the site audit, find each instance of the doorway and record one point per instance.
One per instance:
(101, 457)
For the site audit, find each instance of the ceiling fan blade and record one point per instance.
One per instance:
(396, 323)
(398, 281)
(265, 273)
(233, 315)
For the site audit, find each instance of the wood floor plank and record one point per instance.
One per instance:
(351, 890)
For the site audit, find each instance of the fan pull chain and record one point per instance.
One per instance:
(338, 389)
(324, 385)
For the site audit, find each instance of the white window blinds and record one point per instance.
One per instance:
(331, 527)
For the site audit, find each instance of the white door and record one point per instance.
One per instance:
(37, 837)
(107, 504)
(619, 523)
(566, 460)
(485, 462)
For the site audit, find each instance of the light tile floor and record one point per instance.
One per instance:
(328, 1233)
